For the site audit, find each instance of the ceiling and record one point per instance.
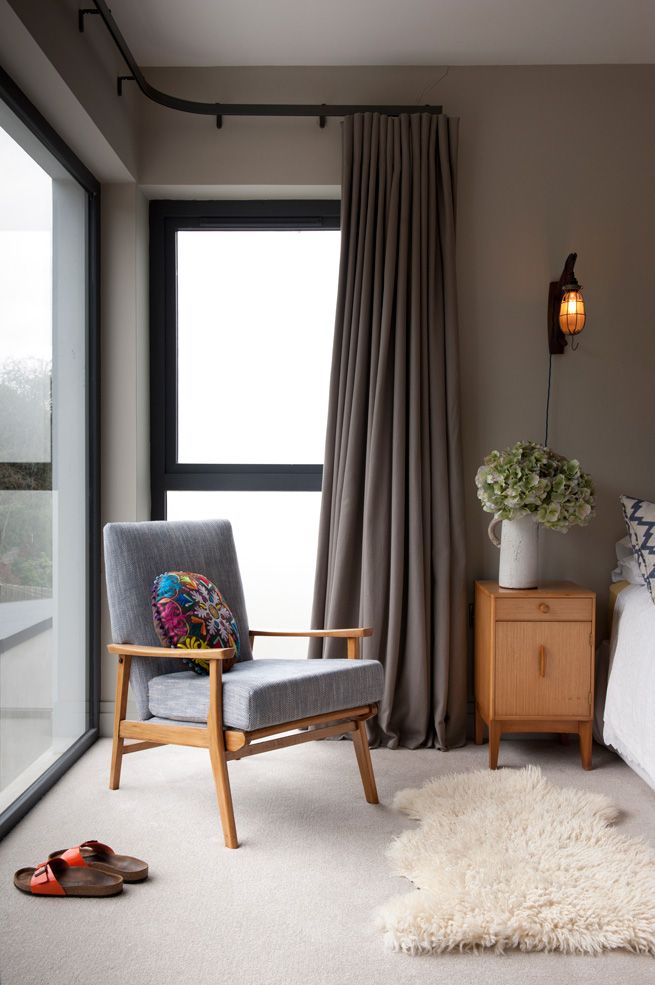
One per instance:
(388, 32)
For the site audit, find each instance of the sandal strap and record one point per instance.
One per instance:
(75, 857)
(44, 882)
(98, 846)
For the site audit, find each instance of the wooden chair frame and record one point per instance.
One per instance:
(228, 744)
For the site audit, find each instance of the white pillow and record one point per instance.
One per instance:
(627, 566)
(640, 520)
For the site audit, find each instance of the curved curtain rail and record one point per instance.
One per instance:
(219, 110)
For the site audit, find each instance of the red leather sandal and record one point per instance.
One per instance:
(95, 855)
(57, 878)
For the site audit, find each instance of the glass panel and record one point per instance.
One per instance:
(43, 657)
(255, 321)
(276, 534)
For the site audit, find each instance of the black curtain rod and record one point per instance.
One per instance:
(219, 110)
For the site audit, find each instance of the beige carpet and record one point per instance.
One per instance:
(294, 905)
(508, 859)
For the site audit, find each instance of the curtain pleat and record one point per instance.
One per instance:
(391, 538)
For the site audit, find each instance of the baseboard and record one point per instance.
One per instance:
(26, 712)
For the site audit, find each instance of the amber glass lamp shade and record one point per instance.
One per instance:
(571, 312)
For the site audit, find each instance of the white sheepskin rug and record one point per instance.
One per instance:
(508, 860)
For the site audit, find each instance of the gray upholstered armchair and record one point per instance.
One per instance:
(260, 704)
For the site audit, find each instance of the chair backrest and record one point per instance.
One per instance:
(135, 553)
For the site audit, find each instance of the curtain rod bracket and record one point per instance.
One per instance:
(120, 80)
(81, 14)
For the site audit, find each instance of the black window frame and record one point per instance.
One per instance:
(29, 115)
(167, 218)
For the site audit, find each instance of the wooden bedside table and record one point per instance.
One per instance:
(534, 662)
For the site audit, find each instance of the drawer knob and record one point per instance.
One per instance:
(544, 607)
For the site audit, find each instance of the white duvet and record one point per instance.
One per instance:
(629, 720)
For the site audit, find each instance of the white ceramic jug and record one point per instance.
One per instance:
(519, 552)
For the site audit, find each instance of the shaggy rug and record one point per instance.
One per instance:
(508, 860)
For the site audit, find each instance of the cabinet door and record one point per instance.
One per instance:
(543, 669)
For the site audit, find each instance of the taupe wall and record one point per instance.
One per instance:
(125, 404)
(551, 160)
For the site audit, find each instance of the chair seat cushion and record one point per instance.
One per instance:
(259, 693)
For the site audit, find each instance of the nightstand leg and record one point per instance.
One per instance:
(479, 727)
(586, 738)
(494, 742)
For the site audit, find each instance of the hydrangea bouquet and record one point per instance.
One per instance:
(531, 479)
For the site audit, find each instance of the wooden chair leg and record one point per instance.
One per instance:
(120, 709)
(223, 792)
(363, 753)
(217, 755)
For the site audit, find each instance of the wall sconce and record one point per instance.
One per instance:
(566, 310)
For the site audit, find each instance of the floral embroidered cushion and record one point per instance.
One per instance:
(189, 612)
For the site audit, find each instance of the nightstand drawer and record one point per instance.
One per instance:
(544, 609)
(543, 669)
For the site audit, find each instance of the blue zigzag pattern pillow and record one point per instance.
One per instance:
(640, 520)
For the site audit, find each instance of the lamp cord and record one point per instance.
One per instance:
(550, 370)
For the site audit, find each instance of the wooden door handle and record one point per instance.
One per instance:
(542, 660)
(544, 607)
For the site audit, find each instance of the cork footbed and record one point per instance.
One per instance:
(130, 868)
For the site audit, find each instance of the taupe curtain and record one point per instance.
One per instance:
(391, 543)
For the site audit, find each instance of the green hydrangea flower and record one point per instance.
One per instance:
(531, 479)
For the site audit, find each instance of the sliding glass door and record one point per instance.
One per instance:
(48, 473)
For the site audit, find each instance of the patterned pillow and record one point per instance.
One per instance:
(189, 612)
(640, 520)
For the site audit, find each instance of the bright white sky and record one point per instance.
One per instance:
(25, 255)
(255, 328)
(275, 534)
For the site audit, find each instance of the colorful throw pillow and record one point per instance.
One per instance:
(640, 520)
(189, 612)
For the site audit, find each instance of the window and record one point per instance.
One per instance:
(48, 456)
(242, 304)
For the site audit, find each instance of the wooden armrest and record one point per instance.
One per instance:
(170, 652)
(341, 633)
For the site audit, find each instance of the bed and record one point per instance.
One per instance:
(629, 713)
